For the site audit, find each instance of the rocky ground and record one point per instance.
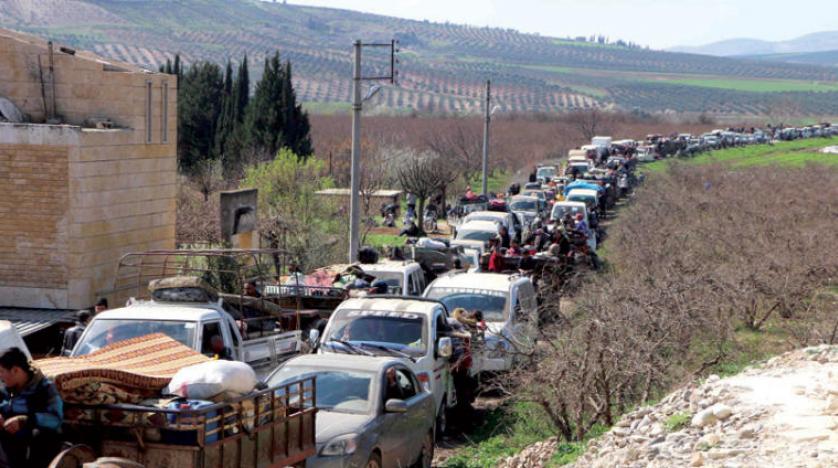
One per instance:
(783, 413)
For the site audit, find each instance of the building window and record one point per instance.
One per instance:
(148, 134)
(164, 117)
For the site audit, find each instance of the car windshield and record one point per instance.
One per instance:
(546, 172)
(539, 194)
(559, 211)
(392, 278)
(491, 303)
(524, 205)
(340, 391)
(103, 332)
(482, 236)
(402, 331)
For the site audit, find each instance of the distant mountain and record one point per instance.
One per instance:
(443, 67)
(816, 42)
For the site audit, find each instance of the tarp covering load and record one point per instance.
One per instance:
(128, 371)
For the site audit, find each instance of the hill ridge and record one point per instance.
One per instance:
(443, 66)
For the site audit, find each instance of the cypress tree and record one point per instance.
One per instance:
(297, 129)
(264, 120)
(199, 105)
(226, 124)
(242, 90)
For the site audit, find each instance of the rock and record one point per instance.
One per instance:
(710, 440)
(721, 411)
(704, 418)
(712, 378)
(697, 459)
(746, 432)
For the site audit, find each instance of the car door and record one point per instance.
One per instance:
(396, 435)
(420, 410)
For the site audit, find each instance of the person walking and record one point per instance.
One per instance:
(72, 335)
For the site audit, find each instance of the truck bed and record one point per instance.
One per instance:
(267, 428)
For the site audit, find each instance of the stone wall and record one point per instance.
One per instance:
(119, 184)
(33, 234)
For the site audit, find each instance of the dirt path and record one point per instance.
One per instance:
(459, 437)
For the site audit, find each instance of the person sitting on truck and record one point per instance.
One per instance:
(527, 264)
(503, 237)
(31, 413)
(496, 259)
(72, 335)
(581, 226)
(470, 195)
(514, 250)
(250, 290)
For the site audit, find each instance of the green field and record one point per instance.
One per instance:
(751, 85)
(788, 153)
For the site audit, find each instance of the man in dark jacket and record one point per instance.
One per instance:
(31, 413)
(72, 335)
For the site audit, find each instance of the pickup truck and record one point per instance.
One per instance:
(192, 313)
(409, 328)
(510, 310)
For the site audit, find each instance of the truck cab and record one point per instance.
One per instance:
(402, 278)
(408, 328)
(509, 307)
(194, 315)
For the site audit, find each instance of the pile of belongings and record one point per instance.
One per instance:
(128, 371)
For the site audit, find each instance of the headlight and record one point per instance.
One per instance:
(340, 445)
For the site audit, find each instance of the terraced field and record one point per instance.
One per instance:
(443, 66)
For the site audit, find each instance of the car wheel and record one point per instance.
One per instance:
(426, 457)
(374, 460)
(442, 421)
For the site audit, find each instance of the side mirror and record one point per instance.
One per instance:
(313, 337)
(395, 406)
(445, 348)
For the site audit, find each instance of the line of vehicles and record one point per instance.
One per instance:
(362, 364)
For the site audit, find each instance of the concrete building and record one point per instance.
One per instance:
(88, 176)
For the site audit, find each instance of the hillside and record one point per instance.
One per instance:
(443, 66)
(815, 42)
(827, 58)
(750, 419)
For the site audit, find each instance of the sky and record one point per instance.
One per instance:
(656, 23)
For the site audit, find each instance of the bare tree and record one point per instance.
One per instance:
(589, 122)
(422, 174)
(376, 175)
(461, 146)
(207, 177)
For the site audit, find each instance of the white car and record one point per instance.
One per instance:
(506, 219)
(480, 231)
(510, 309)
(408, 328)
(560, 209)
(402, 278)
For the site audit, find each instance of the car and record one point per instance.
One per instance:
(509, 307)
(504, 218)
(371, 411)
(588, 196)
(526, 208)
(645, 154)
(403, 278)
(560, 209)
(482, 231)
(409, 328)
(545, 173)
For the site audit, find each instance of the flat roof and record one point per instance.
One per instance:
(29, 321)
(345, 192)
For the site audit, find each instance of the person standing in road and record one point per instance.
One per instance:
(72, 335)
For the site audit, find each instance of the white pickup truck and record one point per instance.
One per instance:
(196, 318)
(509, 307)
(409, 328)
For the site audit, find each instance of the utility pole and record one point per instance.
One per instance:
(357, 106)
(486, 137)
